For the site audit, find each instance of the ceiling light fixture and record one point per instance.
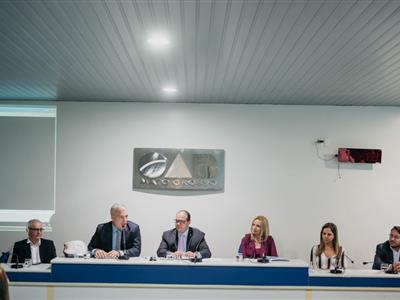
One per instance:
(158, 40)
(169, 89)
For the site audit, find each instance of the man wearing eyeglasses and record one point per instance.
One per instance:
(389, 251)
(183, 241)
(34, 247)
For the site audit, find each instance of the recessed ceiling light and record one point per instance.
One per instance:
(169, 89)
(159, 40)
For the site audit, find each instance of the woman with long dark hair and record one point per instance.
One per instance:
(329, 253)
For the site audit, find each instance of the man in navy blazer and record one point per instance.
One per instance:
(183, 240)
(389, 251)
(34, 247)
(119, 237)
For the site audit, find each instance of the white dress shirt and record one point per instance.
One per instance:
(35, 255)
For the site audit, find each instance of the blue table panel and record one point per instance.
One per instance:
(29, 277)
(386, 282)
(188, 274)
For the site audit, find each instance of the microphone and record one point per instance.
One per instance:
(367, 262)
(123, 257)
(196, 258)
(17, 264)
(337, 269)
(345, 255)
(264, 258)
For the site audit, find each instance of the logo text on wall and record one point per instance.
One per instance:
(178, 169)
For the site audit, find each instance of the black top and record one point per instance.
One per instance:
(22, 251)
(383, 254)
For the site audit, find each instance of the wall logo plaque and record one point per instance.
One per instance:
(178, 169)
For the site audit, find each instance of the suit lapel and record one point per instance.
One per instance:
(41, 251)
(189, 238)
(28, 248)
(175, 239)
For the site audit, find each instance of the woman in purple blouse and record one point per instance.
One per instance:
(258, 243)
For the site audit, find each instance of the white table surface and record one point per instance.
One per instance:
(223, 262)
(41, 268)
(353, 273)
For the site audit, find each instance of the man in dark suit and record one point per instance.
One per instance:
(34, 247)
(388, 252)
(119, 237)
(183, 240)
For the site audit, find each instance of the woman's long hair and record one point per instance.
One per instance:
(335, 242)
(264, 228)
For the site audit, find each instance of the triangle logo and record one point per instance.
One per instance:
(178, 168)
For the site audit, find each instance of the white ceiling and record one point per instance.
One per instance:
(261, 52)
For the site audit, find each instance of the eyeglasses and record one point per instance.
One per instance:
(36, 229)
(180, 221)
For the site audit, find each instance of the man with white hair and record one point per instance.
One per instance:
(34, 247)
(117, 238)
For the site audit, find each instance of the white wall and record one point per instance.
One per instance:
(271, 169)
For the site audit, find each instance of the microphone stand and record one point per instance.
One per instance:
(16, 265)
(345, 255)
(197, 259)
(337, 269)
(264, 258)
(124, 256)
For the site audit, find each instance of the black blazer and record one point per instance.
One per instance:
(130, 241)
(195, 243)
(22, 251)
(383, 254)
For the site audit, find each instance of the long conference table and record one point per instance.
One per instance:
(216, 278)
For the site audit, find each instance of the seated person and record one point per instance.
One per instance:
(116, 238)
(183, 240)
(4, 292)
(34, 247)
(389, 251)
(328, 254)
(258, 243)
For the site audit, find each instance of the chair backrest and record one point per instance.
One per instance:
(75, 249)
(4, 257)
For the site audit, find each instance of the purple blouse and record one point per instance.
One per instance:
(249, 250)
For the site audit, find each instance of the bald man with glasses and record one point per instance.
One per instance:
(183, 240)
(34, 247)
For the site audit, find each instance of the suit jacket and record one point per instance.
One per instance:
(130, 241)
(383, 254)
(248, 247)
(22, 251)
(195, 243)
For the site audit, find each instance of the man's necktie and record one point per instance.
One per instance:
(180, 243)
(118, 240)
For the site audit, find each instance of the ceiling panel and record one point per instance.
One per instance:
(221, 51)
